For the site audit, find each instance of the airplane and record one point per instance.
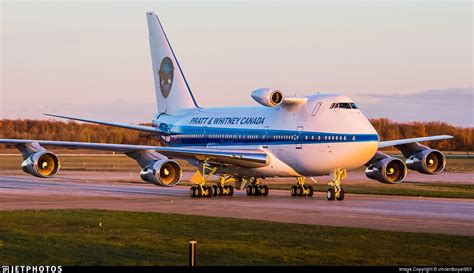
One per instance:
(284, 136)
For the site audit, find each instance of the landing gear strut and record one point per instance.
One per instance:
(300, 189)
(256, 189)
(200, 190)
(337, 192)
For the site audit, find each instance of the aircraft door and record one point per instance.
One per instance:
(316, 109)
(266, 138)
(299, 137)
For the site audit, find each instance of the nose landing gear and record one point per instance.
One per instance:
(300, 189)
(337, 192)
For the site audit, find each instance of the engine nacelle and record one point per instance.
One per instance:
(41, 164)
(165, 173)
(389, 170)
(268, 96)
(428, 162)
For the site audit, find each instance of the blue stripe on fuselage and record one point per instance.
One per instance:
(202, 136)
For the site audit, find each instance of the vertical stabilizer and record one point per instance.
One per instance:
(173, 94)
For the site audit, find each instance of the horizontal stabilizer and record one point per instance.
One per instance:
(114, 124)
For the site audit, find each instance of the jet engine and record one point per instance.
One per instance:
(41, 164)
(268, 96)
(165, 173)
(389, 170)
(427, 161)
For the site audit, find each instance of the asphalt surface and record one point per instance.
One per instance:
(432, 215)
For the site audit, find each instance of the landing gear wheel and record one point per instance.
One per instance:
(299, 191)
(198, 192)
(220, 190)
(191, 191)
(249, 190)
(341, 195)
(306, 191)
(311, 191)
(331, 194)
(293, 191)
(209, 192)
(214, 191)
(231, 191)
(265, 190)
(256, 190)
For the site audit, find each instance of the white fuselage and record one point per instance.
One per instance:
(307, 139)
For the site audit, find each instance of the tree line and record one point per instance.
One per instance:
(73, 131)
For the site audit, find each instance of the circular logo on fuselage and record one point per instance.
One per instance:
(166, 74)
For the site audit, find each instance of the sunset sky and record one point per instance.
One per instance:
(398, 59)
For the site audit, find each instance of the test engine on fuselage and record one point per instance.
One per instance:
(268, 96)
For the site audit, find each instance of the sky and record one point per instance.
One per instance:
(405, 60)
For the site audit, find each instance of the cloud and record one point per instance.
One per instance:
(453, 105)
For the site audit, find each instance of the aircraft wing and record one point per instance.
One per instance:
(389, 143)
(243, 157)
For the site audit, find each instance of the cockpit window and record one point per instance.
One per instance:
(343, 105)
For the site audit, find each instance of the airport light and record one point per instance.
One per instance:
(192, 253)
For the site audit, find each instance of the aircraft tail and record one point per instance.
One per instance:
(173, 95)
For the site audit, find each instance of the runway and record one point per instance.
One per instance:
(433, 215)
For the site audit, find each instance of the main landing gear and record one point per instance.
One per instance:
(336, 192)
(256, 189)
(300, 189)
(200, 190)
(223, 190)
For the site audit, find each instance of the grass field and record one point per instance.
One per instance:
(92, 237)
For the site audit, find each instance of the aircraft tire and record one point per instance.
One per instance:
(331, 194)
(311, 191)
(214, 191)
(265, 190)
(248, 189)
(341, 195)
(293, 191)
